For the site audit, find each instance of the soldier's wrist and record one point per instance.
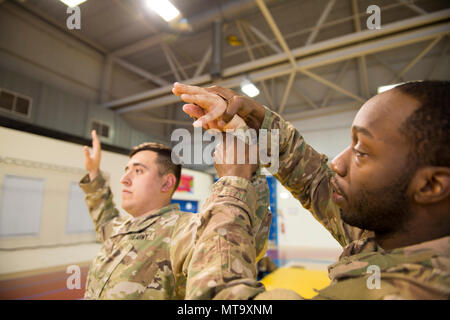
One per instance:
(236, 187)
(93, 174)
(91, 185)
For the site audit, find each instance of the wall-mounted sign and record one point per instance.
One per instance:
(187, 205)
(186, 184)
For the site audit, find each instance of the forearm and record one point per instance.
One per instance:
(300, 166)
(223, 263)
(262, 214)
(99, 201)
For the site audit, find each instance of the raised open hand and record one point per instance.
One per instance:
(92, 160)
(220, 105)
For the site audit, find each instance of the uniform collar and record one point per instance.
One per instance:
(140, 223)
(440, 246)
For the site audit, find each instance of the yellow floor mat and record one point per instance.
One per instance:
(301, 280)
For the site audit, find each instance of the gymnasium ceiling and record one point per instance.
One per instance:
(132, 37)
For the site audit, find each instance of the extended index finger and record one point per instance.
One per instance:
(180, 88)
(96, 146)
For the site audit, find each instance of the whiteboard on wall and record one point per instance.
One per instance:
(78, 218)
(21, 206)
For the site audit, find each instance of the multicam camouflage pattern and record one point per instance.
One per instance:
(415, 272)
(170, 254)
(225, 251)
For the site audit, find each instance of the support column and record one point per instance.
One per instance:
(216, 59)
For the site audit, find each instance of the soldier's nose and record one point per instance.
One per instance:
(338, 164)
(125, 180)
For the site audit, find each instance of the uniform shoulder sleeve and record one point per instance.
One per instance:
(306, 174)
(99, 200)
(389, 287)
(222, 264)
(419, 271)
(181, 248)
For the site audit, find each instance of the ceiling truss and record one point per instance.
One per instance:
(280, 61)
(431, 27)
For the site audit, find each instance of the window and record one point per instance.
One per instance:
(101, 128)
(78, 218)
(15, 103)
(21, 206)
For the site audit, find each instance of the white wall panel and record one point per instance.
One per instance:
(78, 218)
(21, 207)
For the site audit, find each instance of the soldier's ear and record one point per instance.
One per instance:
(431, 185)
(168, 183)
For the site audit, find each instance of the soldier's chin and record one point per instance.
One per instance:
(354, 219)
(366, 223)
(127, 206)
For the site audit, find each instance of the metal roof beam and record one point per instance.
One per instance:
(143, 44)
(141, 72)
(413, 7)
(362, 64)
(165, 96)
(322, 18)
(417, 58)
(357, 39)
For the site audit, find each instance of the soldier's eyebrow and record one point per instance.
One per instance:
(364, 131)
(137, 164)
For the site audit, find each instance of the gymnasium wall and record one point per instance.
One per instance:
(58, 164)
(62, 76)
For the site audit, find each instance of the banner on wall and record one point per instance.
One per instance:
(187, 205)
(186, 184)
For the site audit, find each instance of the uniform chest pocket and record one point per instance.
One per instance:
(144, 265)
(140, 265)
(132, 274)
(108, 267)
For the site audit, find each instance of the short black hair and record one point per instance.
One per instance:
(428, 127)
(164, 160)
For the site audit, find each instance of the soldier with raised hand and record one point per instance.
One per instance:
(385, 198)
(158, 251)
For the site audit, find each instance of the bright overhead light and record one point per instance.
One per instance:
(72, 3)
(249, 88)
(388, 87)
(164, 9)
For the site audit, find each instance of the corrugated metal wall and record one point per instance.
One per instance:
(58, 110)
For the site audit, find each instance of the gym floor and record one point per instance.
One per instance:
(41, 285)
(51, 283)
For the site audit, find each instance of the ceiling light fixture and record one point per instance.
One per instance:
(72, 3)
(249, 88)
(164, 9)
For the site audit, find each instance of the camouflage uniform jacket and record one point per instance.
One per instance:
(170, 254)
(419, 271)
